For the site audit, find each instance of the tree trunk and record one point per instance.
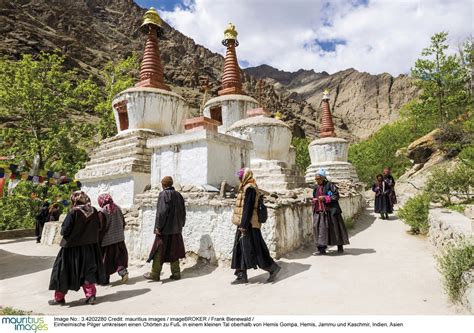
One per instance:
(37, 161)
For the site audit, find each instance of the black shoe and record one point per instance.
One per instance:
(240, 281)
(273, 274)
(340, 249)
(54, 302)
(91, 300)
(175, 276)
(105, 282)
(38, 241)
(241, 278)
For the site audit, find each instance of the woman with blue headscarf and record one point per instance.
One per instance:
(328, 224)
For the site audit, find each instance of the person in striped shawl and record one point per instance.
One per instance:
(112, 238)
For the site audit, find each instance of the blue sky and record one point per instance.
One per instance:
(374, 36)
(167, 5)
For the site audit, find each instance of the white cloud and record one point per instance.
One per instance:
(380, 36)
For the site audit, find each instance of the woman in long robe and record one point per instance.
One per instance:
(112, 238)
(328, 225)
(250, 249)
(78, 263)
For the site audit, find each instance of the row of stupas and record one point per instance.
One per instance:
(155, 138)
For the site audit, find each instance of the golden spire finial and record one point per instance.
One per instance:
(278, 115)
(151, 17)
(326, 94)
(230, 34)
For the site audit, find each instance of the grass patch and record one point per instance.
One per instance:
(8, 311)
(457, 208)
(349, 222)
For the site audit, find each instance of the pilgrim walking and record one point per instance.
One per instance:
(170, 220)
(112, 238)
(387, 176)
(41, 219)
(78, 263)
(250, 249)
(382, 204)
(328, 224)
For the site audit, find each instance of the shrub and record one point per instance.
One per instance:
(457, 257)
(20, 208)
(415, 213)
(444, 184)
(303, 160)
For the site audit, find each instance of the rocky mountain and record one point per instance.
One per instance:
(361, 102)
(92, 32)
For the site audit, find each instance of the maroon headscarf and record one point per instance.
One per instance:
(81, 201)
(106, 201)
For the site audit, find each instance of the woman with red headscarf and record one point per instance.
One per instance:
(112, 238)
(79, 261)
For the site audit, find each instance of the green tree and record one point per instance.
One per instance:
(116, 77)
(303, 159)
(445, 81)
(40, 99)
(371, 156)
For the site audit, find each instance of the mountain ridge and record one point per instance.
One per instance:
(92, 32)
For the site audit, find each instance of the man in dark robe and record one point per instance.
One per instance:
(388, 178)
(41, 219)
(169, 223)
(328, 224)
(250, 249)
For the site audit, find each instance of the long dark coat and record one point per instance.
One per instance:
(328, 224)
(382, 203)
(79, 259)
(250, 249)
(392, 195)
(170, 220)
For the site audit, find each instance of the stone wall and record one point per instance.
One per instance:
(17, 233)
(446, 226)
(210, 234)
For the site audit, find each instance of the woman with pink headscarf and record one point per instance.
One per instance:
(112, 238)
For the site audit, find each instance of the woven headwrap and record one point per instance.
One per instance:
(81, 201)
(247, 178)
(105, 201)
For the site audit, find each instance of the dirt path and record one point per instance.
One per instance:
(384, 271)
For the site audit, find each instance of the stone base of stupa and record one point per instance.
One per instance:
(199, 158)
(120, 165)
(275, 176)
(335, 172)
(330, 154)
